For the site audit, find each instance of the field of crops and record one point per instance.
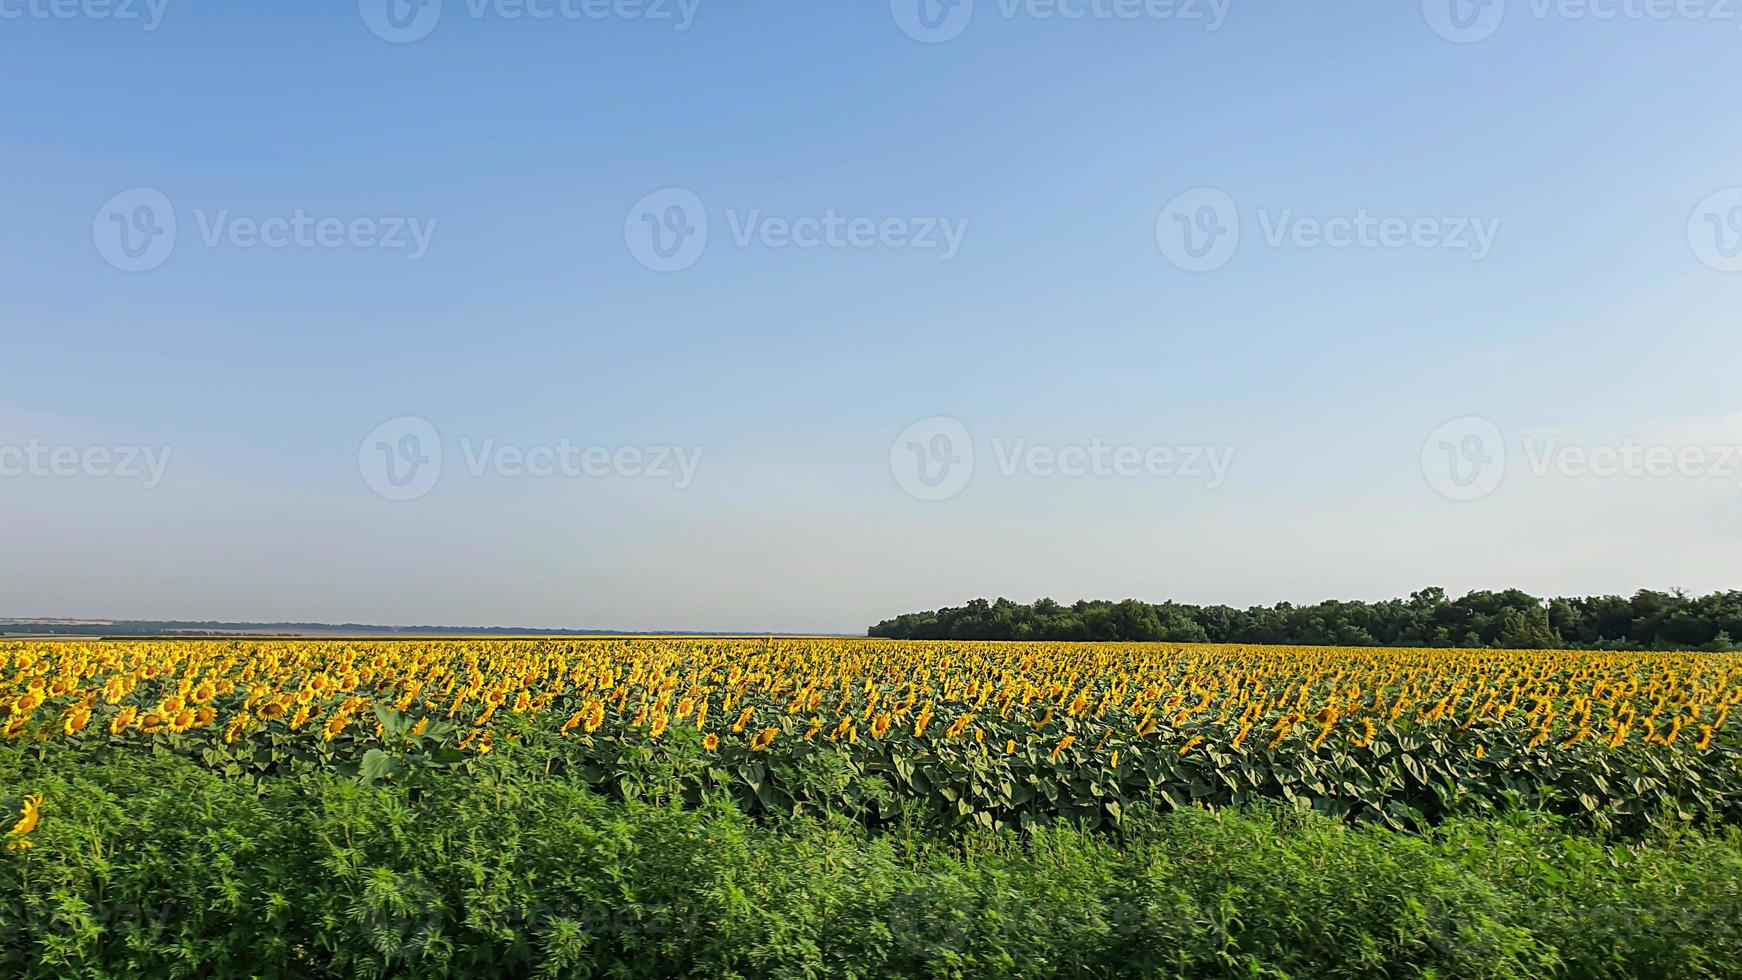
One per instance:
(993, 735)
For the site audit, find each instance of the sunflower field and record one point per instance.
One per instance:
(988, 735)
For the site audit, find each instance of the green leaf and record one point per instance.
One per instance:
(377, 765)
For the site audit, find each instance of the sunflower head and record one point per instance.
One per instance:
(27, 820)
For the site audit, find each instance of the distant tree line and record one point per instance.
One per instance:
(1428, 618)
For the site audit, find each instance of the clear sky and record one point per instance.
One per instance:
(293, 295)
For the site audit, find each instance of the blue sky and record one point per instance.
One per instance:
(1596, 149)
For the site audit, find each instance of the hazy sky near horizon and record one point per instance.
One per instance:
(699, 315)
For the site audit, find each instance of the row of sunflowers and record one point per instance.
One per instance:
(991, 733)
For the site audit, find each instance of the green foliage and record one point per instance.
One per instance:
(1407, 777)
(1510, 619)
(156, 867)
